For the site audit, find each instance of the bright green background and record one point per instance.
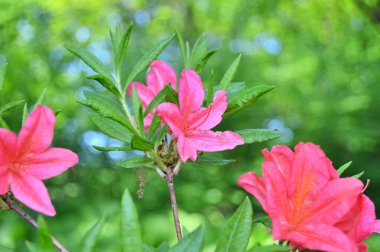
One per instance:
(323, 56)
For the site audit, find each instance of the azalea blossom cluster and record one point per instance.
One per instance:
(309, 204)
(190, 124)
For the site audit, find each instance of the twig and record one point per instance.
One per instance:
(169, 179)
(12, 205)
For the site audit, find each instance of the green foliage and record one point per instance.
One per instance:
(190, 243)
(3, 69)
(89, 240)
(270, 248)
(137, 112)
(135, 162)
(130, 227)
(258, 135)
(207, 161)
(5, 108)
(105, 82)
(229, 74)
(166, 94)
(139, 143)
(122, 46)
(45, 243)
(236, 234)
(343, 168)
(112, 128)
(123, 148)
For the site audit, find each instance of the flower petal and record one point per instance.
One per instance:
(32, 192)
(207, 140)
(8, 147)
(254, 185)
(160, 75)
(321, 237)
(4, 185)
(191, 92)
(37, 133)
(145, 94)
(50, 163)
(186, 149)
(208, 118)
(170, 114)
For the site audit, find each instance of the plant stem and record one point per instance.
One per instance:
(169, 179)
(12, 205)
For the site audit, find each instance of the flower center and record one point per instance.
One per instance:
(17, 167)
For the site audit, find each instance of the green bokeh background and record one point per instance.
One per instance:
(323, 56)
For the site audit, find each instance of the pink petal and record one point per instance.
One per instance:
(334, 201)
(190, 93)
(160, 75)
(37, 133)
(4, 185)
(186, 149)
(170, 114)
(145, 94)
(254, 185)
(32, 192)
(208, 118)
(50, 163)
(321, 237)
(376, 226)
(207, 140)
(8, 147)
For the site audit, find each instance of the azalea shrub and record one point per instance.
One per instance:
(167, 124)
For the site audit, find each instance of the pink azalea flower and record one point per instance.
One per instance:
(160, 74)
(27, 159)
(191, 124)
(307, 201)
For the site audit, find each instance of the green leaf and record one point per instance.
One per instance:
(344, 167)
(44, 238)
(148, 57)
(209, 88)
(258, 135)
(236, 234)
(266, 221)
(148, 248)
(40, 98)
(105, 82)
(139, 143)
(270, 248)
(199, 50)
(191, 243)
(5, 108)
(121, 148)
(164, 247)
(123, 45)
(166, 94)
(159, 136)
(90, 59)
(3, 70)
(4, 248)
(154, 125)
(245, 98)
(204, 161)
(130, 227)
(181, 45)
(358, 175)
(114, 46)
(137, 110)
(135, 162)
(112, 129)
(25, 113)
(205, 59)
(3, 123)
(91, 237)
(229, 74)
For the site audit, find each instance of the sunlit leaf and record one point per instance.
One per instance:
(40, 98)
(344, 167)
(3, 69)
(91, 237)
(166, 94)
(205, 59)
(258, 135)
(229, 74)
(358, 175)
(156, 121)
(5, 108)
(105, 82)
(137, 110)
(270, 248)
(122, 148)
(139, 143)
(190, 243)
(135, 162)
(204, 161)
(130, 227)
(25, 113)
(45, 242)
(112, 128)
(181, 45)
(235, 235)
(123, 45)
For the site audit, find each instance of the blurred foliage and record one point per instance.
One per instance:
(323, 56)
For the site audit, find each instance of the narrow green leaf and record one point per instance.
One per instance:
(154, 125)
(148, 248)
(191, 243)
(3, 124)
(40, 98)
(236, 234)
(344, 167)
(205, 59)
(25, 113)
(245, 98)
(121, 148)
(91, 237)
(3, 70)
(166, 94)
(157, 138)
(5, 108)
(209, 88)
(164, 247)
(187, 46)
(139, 143)
(358, 175)
(135, 162)
(44, 238)
(199, 50)
(270, 248)
(148, 57)
(114, 46)
(90, 59)
(181, 45)
(266, 221)
(5, 248)
(130, 227)
(258, 135)
(137, 111)
(112, 128)
(31, 247)
(204, 161)
(105, 82)
(123, 45)
(229, 74)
